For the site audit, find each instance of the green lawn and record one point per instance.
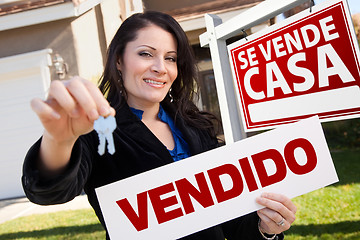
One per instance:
(332, 212)
(75, 224)
(329, 213)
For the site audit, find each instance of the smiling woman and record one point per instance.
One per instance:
(149, 67)
(149, 78)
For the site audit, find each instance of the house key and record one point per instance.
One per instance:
(105, 128)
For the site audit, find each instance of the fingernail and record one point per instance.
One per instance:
(93, 114)
(260, 199)
(105, 111)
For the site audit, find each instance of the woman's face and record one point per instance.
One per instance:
(149, 66)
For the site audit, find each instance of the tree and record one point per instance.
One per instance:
(356, 21)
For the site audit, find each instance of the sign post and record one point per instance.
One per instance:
(232, 125)
(215, 37)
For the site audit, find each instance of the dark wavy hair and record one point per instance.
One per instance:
(185, 85)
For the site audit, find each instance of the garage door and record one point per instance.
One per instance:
(22, 77)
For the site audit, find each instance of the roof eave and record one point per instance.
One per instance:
(196, 21)
(45, 14)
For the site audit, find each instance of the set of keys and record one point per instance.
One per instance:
(105, 128)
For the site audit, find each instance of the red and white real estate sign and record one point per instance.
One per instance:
(196, 193)
(305, 65)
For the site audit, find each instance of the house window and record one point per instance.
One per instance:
(208, 95)
(208, 92)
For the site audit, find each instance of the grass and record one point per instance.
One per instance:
(329, 213)
(332, 212)
(75, 224)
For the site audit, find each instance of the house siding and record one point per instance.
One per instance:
(56, 35)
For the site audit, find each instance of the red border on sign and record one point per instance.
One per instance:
(324, 116)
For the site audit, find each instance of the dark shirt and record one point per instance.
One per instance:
(181, 149)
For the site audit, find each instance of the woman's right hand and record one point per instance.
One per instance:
(70, 110)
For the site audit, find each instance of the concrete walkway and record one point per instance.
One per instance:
(19, 207)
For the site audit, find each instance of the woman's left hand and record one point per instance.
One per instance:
(278, 214)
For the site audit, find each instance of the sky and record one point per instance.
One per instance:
(353, 4)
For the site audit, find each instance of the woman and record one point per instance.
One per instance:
(149, 81)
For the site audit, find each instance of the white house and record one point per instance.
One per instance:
(41, 41)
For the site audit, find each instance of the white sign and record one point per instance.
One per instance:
(210, 188)
(305, 65)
